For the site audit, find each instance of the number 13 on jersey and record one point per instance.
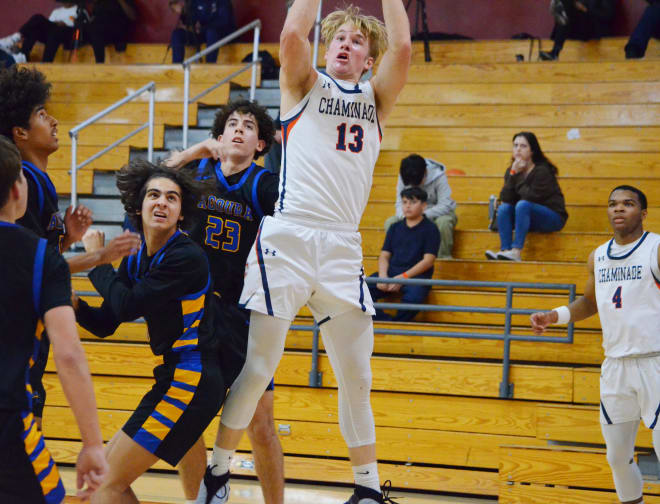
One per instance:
(358, 138)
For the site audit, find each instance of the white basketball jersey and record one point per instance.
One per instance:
(628, 297)
(330, 144)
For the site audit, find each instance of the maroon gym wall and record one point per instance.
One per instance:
(473, 18)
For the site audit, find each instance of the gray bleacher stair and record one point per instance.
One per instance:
(138, 153)
(173, 138)
(106, 210)
(267, 97)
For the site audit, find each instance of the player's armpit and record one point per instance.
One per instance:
(585, 306)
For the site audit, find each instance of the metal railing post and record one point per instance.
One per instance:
(315, 376)
(74, 169)
(317, 36)
(186, 101)
(506, 388)
(152, 102)
(75, 131)
(255, 57)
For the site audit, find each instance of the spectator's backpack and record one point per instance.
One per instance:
(269, 70)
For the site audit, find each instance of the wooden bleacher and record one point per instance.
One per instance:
(490, 51)
(439, 422)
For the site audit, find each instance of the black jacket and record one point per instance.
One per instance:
(540, 186)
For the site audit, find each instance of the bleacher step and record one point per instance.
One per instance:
(173, 138)
(267, 97)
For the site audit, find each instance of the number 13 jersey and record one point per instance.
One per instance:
(628, 296)
(330, 144)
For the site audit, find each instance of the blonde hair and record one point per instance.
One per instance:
(371, 27)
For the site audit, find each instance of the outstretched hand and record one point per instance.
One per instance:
(125, 244)
(77, 222)
(541, 320)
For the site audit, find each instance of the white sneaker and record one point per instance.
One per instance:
(19, 57)
(492, 256)
(509, 255)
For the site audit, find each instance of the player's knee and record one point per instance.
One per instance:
(261, 429)
(619, 457)
(358, 385)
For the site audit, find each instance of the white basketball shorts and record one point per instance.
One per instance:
(292, 264)
(630, 390)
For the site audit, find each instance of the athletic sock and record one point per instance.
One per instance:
(220, 460)
(367, 476)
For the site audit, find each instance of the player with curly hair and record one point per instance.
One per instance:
(168, 283)
(24, 119)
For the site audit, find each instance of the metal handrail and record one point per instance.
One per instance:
(505, 387)
(254, 25)
(73, 133)
(317, 33)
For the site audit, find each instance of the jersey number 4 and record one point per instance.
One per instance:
(358, 138)
(215, 230)
(616, 299)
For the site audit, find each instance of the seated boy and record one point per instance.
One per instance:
(415, 171)
(410, 248)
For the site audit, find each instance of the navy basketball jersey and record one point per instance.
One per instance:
(43, 214)
(231, 220)
(35, 278)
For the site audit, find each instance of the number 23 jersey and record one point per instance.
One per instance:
(330, 144)
(231, 218)
(628, 296)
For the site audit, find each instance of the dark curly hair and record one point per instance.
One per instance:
(264, 122)
(132, 184)
(10, 168)
(22, 90)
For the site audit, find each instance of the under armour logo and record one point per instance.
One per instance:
(270, 252)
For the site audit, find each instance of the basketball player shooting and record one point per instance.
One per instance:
(309, 251)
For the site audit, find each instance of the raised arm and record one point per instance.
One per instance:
(392, 72)
(583, 307)
(209, 148)
(297, 76)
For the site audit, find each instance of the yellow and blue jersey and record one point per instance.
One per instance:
(169, 289)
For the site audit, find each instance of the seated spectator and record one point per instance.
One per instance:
(409, 251)
(56, 30)
(415, 171)
(579, 20)
(110, 23)
(648, 26)
(531, 199)
(200, 21)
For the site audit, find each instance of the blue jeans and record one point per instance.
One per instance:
(415, 294)
(525, 216)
